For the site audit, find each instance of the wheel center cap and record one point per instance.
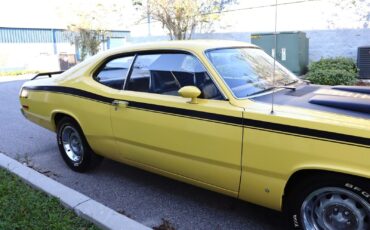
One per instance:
(75, 145)
(340, 217)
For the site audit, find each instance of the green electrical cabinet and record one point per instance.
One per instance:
(292, 49)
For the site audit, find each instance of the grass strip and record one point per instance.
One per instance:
(22, 207)
(18, 72)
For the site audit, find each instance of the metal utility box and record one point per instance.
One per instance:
(363, 62)
(66, 61)
(292, 49)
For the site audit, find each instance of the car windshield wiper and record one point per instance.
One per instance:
(292, 82)
(261, 91)
(271, 88)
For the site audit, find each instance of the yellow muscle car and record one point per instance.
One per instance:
(202, 112)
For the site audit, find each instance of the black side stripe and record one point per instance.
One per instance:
(72, 91)
(257, 124)
(188, 113)
(141, 105)
(338, 137)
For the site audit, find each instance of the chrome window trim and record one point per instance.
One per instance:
(174, 51)
(102, 64)
(128, 74)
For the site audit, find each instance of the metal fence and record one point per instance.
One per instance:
(43, 35)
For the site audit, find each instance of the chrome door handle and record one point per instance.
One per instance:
(118, 103)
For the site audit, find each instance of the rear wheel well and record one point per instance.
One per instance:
(60, 116)
(305, 175)
(83, 157)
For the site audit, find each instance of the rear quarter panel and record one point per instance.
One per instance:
(92, 116)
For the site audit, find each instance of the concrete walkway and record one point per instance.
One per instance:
(82, 205)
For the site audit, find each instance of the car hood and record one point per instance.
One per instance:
(335, 106)
(351, 101)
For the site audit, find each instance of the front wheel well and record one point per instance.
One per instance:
(307, 174)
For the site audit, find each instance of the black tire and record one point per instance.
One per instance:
(86, 159)
(329, 200)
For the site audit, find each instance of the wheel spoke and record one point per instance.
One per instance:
(72, 144)
(335, 208)
(317, 212)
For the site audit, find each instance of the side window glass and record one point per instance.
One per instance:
(142, 73)
(167, 73)
(114, 72)
(198, 77)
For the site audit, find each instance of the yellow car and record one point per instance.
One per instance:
(210, 113)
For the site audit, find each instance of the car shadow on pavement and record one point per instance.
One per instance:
(179, 201)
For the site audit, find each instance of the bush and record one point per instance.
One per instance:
(18, 72)
(333, 71)
(332, 77)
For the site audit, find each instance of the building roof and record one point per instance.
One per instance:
(43, 35)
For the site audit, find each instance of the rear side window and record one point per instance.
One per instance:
(141, 74)
(114, 72)
(167, 73)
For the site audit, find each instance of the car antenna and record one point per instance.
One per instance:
(274, 53)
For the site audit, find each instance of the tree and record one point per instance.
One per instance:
(86, 39)
(90, 22)
(183, 17)
(358, 10)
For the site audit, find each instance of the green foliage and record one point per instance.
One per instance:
(342, 63)
(90, 21)
(21, 207)
(18, 72)
(333, 71)
(88, 41)
(183, 17)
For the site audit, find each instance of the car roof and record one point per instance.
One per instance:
(189, 45)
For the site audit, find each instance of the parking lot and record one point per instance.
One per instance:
(145, 197)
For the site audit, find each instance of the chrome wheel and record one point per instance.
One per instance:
(334, 208)
(72, 144)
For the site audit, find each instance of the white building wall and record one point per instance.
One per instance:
(332, 31)
(322, 43)
(32, 56)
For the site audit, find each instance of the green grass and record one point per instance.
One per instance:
(18, 72)
(22, 207)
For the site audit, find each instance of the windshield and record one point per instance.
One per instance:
(248, 71)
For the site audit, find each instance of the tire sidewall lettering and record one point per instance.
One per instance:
(356, 186)
(295, 221)
(358, 190)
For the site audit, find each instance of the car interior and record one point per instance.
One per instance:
(161, 74)
(166, 75)
(112, 77)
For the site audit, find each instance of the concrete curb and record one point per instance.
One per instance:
(82, 205)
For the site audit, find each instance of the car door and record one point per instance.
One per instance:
(159, 130)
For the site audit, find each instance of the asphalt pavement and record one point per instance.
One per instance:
(145, 197)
